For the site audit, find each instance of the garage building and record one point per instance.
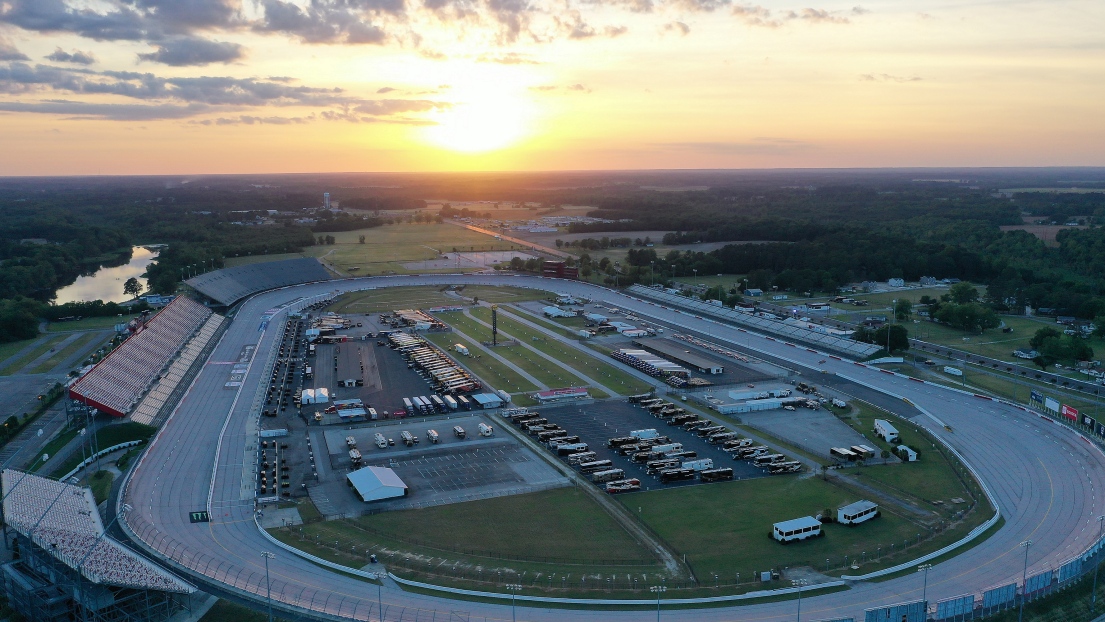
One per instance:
(681, 354)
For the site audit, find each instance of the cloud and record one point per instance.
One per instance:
(700, 6)
(885, 77)
(579, 88)
(819, 16)
(8, 51)
(432, 55)
(543, 88)
(615, 31)
(193, 51)
(548, 88)
(678, 27)
(109, 112)
(756, 15)
(510, 58)
(123, 23)
(252, 120)
(386, 89)
(328, 21)
(76, 57)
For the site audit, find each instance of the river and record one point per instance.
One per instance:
(107, 283)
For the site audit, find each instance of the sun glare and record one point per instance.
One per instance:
(487, 115)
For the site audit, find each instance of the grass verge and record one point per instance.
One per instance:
(14, 365)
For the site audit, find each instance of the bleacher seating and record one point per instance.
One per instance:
(230, 285)
(116, 383)
(150, 406)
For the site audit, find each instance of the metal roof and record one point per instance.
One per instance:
(375, 483)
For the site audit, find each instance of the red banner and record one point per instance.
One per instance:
(1070, 413)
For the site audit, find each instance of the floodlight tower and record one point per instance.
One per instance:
(494, 325)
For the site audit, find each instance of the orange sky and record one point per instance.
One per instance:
(228, 86)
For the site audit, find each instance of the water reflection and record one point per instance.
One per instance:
(107, 283)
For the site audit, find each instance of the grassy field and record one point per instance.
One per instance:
(18, 363)
(100, 483)
(82, 343)
(500, 376)
(387, 248)
(931, 482)
(109, 436)
(90, 323)
(51, 449)
(391, 298)
(559, 531)
(8, 350)
(724, 528)
(518, 356)
(608, 374)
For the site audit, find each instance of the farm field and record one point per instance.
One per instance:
(388, 248)
(555, 533)
(608, 374)
(703, 522)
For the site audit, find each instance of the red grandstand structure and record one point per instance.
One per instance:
(117, 383)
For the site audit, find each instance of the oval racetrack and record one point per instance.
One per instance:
(1043, 476)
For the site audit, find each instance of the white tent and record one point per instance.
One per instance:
(376, 483)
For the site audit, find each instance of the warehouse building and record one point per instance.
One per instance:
(376, 484)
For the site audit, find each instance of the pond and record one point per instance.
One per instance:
(107, 283)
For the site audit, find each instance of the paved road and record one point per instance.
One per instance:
(1043, 477)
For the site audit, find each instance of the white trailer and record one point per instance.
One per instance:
(450, 403)
(486, 430)
(381, 442)
(461, 349)
(645, 435)
(702, 464)
(885, 431)
(953, 371)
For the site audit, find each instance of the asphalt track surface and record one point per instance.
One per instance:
(1043, 476)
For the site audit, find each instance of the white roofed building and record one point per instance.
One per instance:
(376, 484)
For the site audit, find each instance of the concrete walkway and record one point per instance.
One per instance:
(537, 383)
(568, 368)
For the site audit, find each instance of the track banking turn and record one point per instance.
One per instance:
(1042, 476)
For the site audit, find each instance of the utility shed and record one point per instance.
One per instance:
(376, 483)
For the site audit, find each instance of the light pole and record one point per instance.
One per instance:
(1024, 577)
(513, 587)
(924, 590)
(695, 270)
(800, 583)
(658, 590)
(268, 585)
(1096, 566)
(380, 596)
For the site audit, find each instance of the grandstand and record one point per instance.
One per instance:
(777, 327)
(116, 383)
(229, 285)
(68, 566)
(151, 405)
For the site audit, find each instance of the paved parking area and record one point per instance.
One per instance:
(600, 421)
(815, 431)
(451, 471)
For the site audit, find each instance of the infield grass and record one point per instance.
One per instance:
(487, 368)
(80, 344)
(88, 323)
(16, 364)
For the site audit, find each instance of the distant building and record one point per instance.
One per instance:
(326, 200)
(1026, 353)
(896, 282)
(928, 281)
(376, 484)
(753, 292)
(559, 270)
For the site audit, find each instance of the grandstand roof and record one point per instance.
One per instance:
(116, 383)
(230, 285)
(62, 520)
